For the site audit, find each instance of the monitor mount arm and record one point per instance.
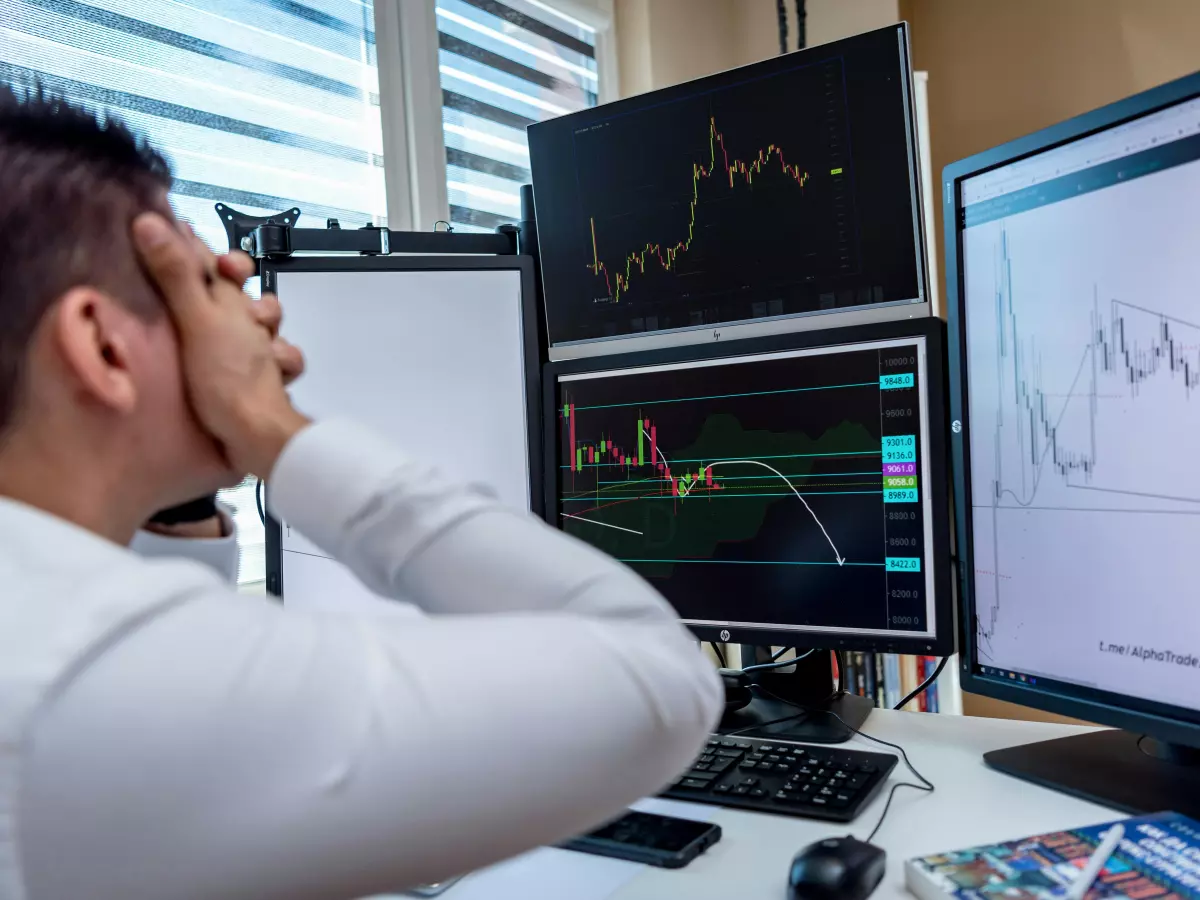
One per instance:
(806, 698)
(276, 236)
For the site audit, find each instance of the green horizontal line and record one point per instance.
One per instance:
(828, 387)
(709, 459)
(760, 477)
(718, 495)
(748, 562)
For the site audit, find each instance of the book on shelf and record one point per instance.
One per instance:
(887, 678)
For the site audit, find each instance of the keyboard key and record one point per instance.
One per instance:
(742, 745)
(699, 767)
(798, 751)
(722, 789)
(693, 784)
(835, 803)
(841, 773)
(702, 776)
(741, 790)
(782, 767)
(843, 796)
(820, 801)
(749, 782)
(728, 743)
(731, 754)
(757, 757)
(783, 796)
(766, 748)
(868, 768)
(857, 781)
(773, 757)
(748, 765)
(720, 765)
(757, 792)
(824, 792)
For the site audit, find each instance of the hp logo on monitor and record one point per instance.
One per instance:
(725, 634)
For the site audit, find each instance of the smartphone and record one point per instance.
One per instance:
(646, 838)
(432, 890)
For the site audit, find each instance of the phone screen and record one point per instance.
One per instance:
(662, 833)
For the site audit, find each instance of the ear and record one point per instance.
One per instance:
(91, 332)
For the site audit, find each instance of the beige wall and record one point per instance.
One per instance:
(998, 70)
(665, 42)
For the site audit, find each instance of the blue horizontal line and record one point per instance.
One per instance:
(750, 562)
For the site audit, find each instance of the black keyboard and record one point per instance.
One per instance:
(780, 777)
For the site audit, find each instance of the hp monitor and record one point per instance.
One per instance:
(775, 197)
(1075, 393)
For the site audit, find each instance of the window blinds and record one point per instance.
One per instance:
(504, 65)
(261, 104)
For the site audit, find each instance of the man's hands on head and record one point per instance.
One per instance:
(233, 363)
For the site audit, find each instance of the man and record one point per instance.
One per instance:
(163, 737)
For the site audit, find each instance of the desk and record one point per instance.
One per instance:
(972, 805)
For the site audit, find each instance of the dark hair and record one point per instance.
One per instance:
(71, 182)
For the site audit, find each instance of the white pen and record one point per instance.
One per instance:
(1083, 881)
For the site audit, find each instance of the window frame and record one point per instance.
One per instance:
(410, 99)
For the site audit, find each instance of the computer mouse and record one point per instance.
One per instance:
(842, 868)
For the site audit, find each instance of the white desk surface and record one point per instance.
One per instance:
(972, 805)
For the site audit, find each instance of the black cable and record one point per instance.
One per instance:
(762, 667)
(926, 785)
(258, 499)
(720, 654)
(781, 7)
(924, 685)
(801, 26)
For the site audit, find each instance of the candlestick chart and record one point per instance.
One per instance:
(707, 482)
(779, 192)
(1084, 364)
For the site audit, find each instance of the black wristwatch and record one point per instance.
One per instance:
(192, 511)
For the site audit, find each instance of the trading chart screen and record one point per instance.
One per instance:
(774, 190)
(784, 490)
(1080, 274)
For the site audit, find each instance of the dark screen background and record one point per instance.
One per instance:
(747, 549)
(832, 117)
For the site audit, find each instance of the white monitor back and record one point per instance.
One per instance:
(434, 360)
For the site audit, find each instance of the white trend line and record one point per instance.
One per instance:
(754, 462)
(606, 525)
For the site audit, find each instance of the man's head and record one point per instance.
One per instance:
(89, 363)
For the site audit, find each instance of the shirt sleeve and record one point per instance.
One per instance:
(240, 750)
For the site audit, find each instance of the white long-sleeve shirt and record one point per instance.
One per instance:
(196, 743)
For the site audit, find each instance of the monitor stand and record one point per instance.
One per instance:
(1110, 768)
(810, 685)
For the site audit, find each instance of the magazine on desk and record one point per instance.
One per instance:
(1158, 859)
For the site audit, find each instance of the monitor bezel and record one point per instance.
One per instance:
(932, 330)
(271, 269)
(1168, 722)
(817, 320)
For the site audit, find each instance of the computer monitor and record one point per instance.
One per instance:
(785, 491)
(774, 197)
(1072, 272)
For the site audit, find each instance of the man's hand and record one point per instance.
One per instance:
(229, 365)
(237, 267)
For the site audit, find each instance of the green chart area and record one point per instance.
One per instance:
(638, 495)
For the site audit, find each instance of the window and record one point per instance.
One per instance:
(261, 104)
(503, 66)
